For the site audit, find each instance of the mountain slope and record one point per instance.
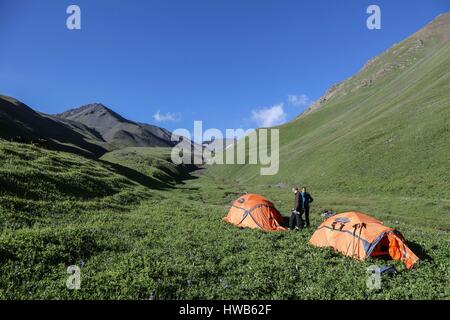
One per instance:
(153, 162)
(91, 130)
(18, 121)
(384, 130)
(117, 130)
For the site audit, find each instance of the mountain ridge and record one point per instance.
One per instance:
(117, 130)
(90, 130)
(21, 123)
(438, 27)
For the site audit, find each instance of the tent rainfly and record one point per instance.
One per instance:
(255, 211)
(358, 235)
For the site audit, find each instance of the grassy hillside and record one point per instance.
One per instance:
(384, 131)
(152, 162)
(39, 186)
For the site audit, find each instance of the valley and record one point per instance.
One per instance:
(88, 187)
(169, 242)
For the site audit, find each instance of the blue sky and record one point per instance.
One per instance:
(228, 63)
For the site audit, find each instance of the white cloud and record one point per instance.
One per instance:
(166, 117)
(298, 100)
(269, 117)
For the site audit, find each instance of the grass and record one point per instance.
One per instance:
(171, 243)
(152, 162)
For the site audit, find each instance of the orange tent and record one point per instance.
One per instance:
(358, 235)
(255, 211)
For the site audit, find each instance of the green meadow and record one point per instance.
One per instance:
(137, 237)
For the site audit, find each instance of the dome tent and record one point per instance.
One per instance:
(360, 236)
(255, 211)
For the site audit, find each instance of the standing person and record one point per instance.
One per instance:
(295, 221)
(306, 199)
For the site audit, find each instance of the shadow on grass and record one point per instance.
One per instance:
(145, 180)
(285, 222)
(418, 251)
(184, 172)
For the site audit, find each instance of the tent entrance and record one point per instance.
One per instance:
(382, 248)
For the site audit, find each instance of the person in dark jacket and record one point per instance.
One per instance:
(295, 221)
(305, 199)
